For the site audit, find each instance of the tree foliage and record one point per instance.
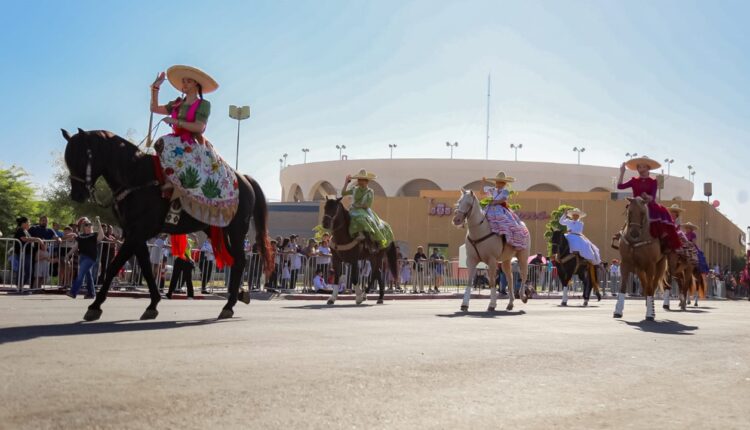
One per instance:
(17, 198)
(554, 224)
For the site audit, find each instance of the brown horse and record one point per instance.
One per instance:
(640, 254)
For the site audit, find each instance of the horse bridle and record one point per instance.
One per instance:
(87, 182)
(466, 213)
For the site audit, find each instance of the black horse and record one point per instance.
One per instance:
(141, 211)
(349, 250)
(569, 264)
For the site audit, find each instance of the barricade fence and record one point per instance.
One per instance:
(31, 266)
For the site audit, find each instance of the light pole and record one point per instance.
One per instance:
(281, 164)
(304, 152)
(668, 162)
(340, 148)
(516, 148)
(238, 113)
(285, 155)
(391, 146)
(451, 146)
(631, 156)
(692, 176)
(690, 171)
(579, 150)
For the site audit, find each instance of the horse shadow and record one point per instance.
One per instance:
(327, 306)
(482, 314)
(662, 327)
(23, 333)
(687, 311)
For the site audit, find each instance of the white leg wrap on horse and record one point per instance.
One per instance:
(620, 306)
(565, 294)
(650, 306)
(666, 298)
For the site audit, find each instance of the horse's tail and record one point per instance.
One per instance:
(593, 276)
(392, 256)
(260, 219)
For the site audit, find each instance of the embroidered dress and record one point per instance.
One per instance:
(364, 220)
(578, 242)
(661, 223)
(204, 182)
(687, 249)
(702, 263)
(504, 221)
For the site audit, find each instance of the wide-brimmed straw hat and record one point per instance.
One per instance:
(500, 177)
(580, 213)
(675, 208)
(633, 163)
(176, 73)
(364, 174)
(690, 225)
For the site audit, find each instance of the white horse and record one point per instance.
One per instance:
(482, 245)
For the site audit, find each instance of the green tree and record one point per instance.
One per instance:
(17, 198)
(554, 224)
(60, 207)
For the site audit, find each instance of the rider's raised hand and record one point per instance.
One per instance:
(159, 80)
(622, 167)
(348, 178)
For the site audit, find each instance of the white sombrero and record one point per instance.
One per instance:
(501, 177)
(364, 174)
(690, 225)
(175, 74)
(581, 214)
(633, 163)
(675, 208)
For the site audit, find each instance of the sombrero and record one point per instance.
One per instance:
(580, 213)
(690, 225)
(364, 174)
(633, 163)
(176, 73)
(675, 208)
(500, 178)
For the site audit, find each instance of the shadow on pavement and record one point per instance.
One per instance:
(326, 306)
(22, 333)
(662, 327)
(687, 311)
(481, 314)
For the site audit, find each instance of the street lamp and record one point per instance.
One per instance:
(692, 176)
(690, 171)
(668, 162)
(391, 146)
(285, 155)
(340, 148)
(304, 152)
(516, 148)
(629, 155)
(451, 146)
(579, 150)
(238, 113)
(281, 164)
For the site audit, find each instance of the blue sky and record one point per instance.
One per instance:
(666, 79)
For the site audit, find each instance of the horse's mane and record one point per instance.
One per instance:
(109, 137)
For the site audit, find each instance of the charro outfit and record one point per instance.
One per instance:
(578, 242)
(363, 218)
(692, 236)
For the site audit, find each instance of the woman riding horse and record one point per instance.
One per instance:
(501, 217)
(363, 219)
(578, 243)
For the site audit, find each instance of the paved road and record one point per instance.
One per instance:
(409, 364)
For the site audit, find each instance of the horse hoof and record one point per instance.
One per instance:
(564, 304)
(329, 302)
(464, 308)
(509, 307)
(616, 315)
(149, 314)
(244, 297)
(649, 318)
(696, 304)
(665, 307)
(598, 297)
(92, 315)
(490, 309)
(225, 314)
(585, 303)
(379, 302)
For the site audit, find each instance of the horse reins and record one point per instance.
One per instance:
(466, 220)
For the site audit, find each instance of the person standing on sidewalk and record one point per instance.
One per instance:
(206, 263)
(86, 245)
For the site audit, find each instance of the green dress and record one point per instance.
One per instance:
(364, 220)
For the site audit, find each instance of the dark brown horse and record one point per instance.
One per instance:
(569, 264)
(141, 211)
(347, 249)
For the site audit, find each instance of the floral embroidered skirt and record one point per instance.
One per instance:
(206, 185)
(366, 221)
(504, 222)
